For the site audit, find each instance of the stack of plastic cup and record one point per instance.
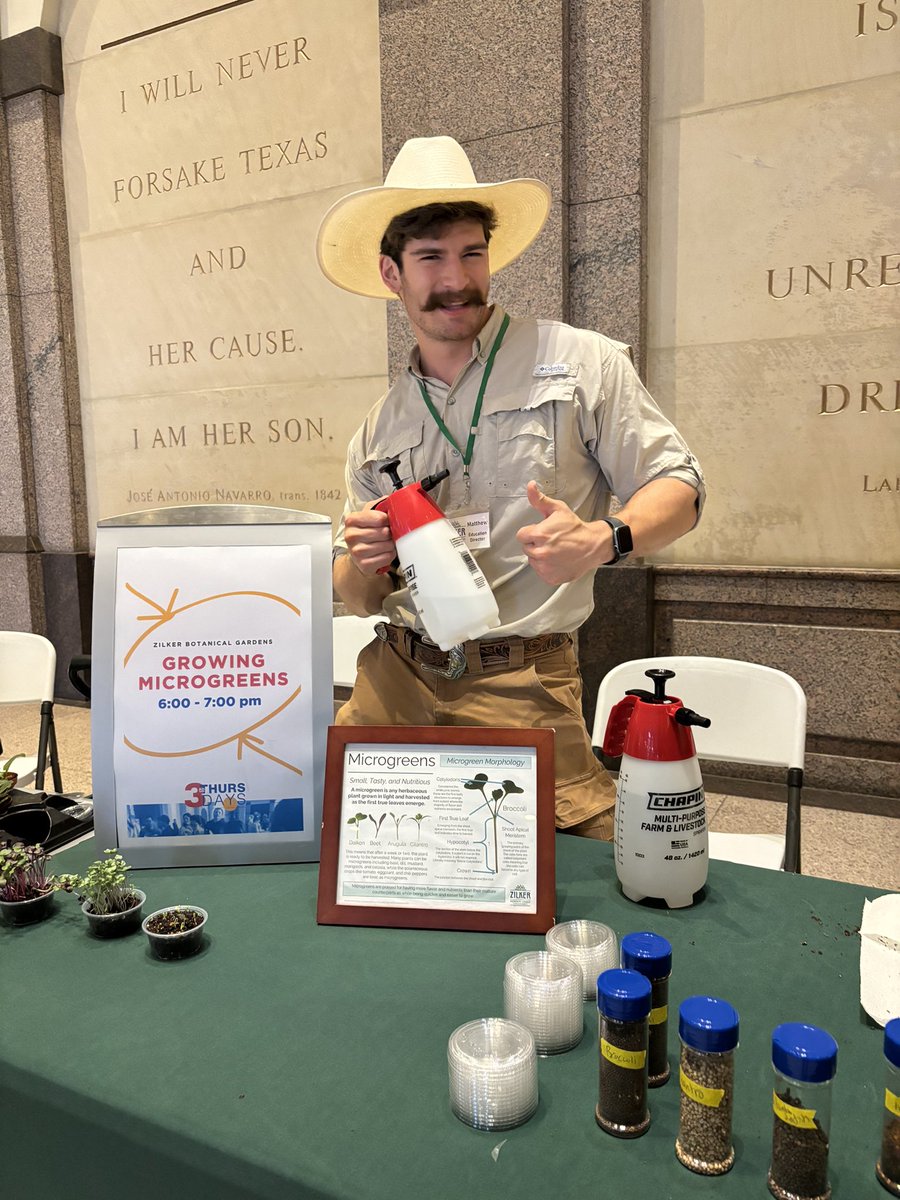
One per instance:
(543, 992)
(493, 1073)
(594, 947)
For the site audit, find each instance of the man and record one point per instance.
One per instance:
(537, 422)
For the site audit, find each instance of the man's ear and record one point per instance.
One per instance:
(390, 273)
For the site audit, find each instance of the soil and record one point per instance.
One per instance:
(178, 920)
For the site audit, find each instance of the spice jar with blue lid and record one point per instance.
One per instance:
(651, 955)
(804, 1058)
(623, 1002)
(888, 1166)
(708, 1028)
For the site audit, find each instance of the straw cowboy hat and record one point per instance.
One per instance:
(426, 171)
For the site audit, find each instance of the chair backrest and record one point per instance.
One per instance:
(27, 667)
(350, 634)
(758, 714)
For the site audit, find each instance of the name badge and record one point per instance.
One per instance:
(474, 528)
(543, 369)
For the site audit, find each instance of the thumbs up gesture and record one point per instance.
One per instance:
(561, 547)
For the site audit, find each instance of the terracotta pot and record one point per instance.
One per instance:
(169, 946)
(28, 912)
(111, 925)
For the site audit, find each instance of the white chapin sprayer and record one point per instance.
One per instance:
(662, 847)
(452, 597)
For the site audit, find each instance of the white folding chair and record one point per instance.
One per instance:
(27, 672)
(757, 714)
(350, 635)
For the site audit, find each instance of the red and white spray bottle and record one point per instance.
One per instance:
(661, 838)
(452, 597)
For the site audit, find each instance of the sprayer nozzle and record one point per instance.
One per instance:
(431, 481)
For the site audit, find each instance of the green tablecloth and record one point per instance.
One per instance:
(289, 1060)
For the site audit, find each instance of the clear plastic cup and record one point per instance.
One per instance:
(593, 946)
(543, 992)
(492, 1066)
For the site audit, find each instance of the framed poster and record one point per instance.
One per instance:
(212, 694)
(438, 828)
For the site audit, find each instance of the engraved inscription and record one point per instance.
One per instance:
(852, 274)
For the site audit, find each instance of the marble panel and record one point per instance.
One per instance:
(470, 71)
(204, 326)
(31, 192)
(21, 596)
(845, 673)
(244, 106)
(535, 284)
(49, 405)
(605, 99)
(794, 437)
(279, 444)
(707, 54)
(67, 598)
(16, 503)
(230, 299)
(757, 228)
(862, 776)
(605, 261)
(859, 591)
(29, 61)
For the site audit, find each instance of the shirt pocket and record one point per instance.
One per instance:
(403, 443)
(527, 441)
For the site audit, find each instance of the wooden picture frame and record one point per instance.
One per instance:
(431, 751)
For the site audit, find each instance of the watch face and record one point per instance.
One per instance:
(622, 540)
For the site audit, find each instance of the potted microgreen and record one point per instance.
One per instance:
(26, 890)
(112, 905)
(176, 932)
(8, 780)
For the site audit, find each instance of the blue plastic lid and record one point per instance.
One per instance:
(623, 995)
(647, 953)
(709, 1024)
(804, 1052)
(892, 1042)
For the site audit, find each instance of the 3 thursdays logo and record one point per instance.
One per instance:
(675, 801)
(519, 894)
(228, 794)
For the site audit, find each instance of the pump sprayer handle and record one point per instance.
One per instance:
(392, 468)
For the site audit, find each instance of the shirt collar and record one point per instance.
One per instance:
(481, 346)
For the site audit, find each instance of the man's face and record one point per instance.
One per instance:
(444, 282)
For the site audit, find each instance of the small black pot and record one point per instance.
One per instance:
(28, 912)
(168, 946)
(112, 925)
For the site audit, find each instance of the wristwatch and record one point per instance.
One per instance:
(621, 540)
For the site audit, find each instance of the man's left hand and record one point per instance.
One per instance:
(561, 547)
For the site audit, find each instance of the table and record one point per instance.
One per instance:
(288, 1060)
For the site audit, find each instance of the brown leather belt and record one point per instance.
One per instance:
(501, 652)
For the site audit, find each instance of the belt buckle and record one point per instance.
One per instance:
(456, 664)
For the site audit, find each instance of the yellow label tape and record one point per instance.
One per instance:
(710, 1097)
(658, 1015)
(800, 1118)
(891, 1102)
(633, 1060)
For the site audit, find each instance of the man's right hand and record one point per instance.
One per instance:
(368, 537)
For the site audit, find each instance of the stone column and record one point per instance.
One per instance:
(45, 583)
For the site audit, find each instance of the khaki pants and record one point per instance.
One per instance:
(392, 689)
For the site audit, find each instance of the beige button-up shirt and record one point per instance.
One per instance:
(563, 407)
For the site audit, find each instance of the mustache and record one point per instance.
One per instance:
(439, 299)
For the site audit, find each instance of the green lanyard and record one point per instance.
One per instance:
(473, 429)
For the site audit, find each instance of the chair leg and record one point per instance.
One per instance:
(792, 830)
(47, 749)
(54, 758)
